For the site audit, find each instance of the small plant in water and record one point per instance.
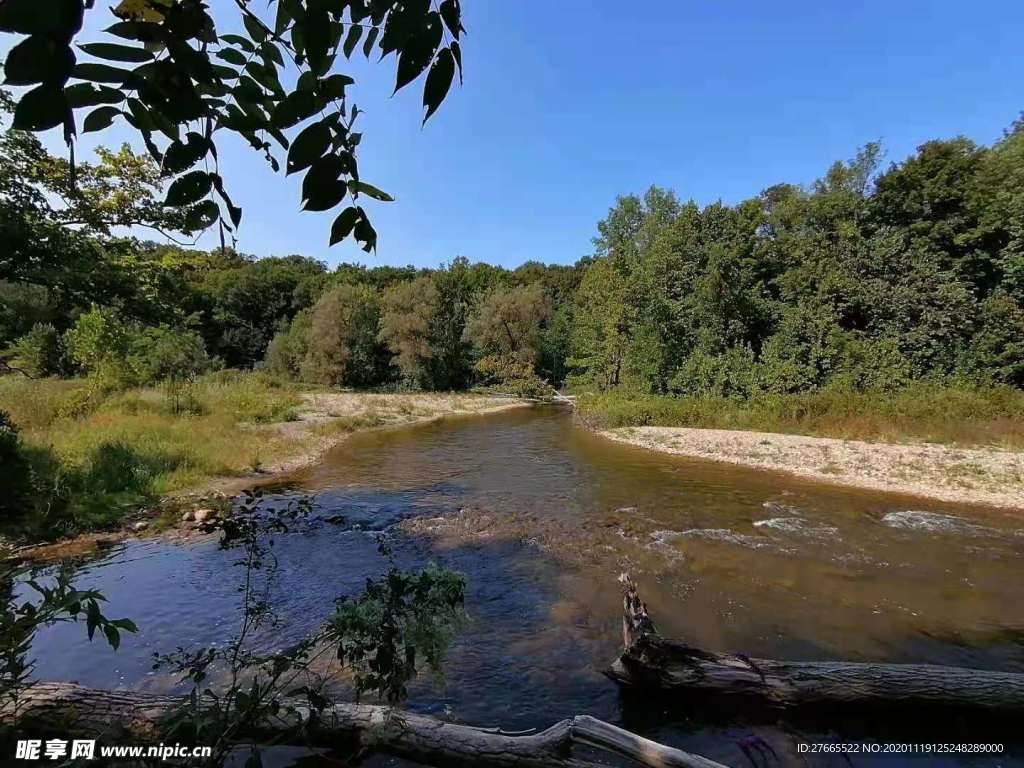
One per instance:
(383, 636)
(47, 599)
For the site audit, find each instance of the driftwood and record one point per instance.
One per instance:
(655, 663)
(64, 710)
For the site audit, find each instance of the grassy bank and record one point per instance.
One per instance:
(96, 454)
(964, 417)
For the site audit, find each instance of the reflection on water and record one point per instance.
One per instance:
(542, 516)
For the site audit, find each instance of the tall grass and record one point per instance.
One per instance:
(922, 412)
(95, 454)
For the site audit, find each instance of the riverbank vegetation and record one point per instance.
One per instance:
(925, 412)
(90, 455)
(882, 304)
(78, 458)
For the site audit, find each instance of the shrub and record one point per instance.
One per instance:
(16, 476)
(288, 348)
(79, 403)
(180, 398)
(100, 339)
(40, 352)
(732, 374)
(165, 353)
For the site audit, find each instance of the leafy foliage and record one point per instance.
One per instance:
(399, 622)
(164, 69)
(342, 346)
(40, 352)
(56, 601)
(384, 636)
(16, 479)
(866, 280)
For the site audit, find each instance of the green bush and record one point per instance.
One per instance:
(180, 398)
(162, 353)
(732, 374)
(79, 403)
(40, 352)
(16, 474)
(288, 348)
(99, 340)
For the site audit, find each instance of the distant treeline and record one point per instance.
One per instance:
(867, 279)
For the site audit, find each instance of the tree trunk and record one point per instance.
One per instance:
(652, 662)
(65, 710)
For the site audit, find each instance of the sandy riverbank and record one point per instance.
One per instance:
(962, 475)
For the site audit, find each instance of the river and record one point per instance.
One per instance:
(541, 516)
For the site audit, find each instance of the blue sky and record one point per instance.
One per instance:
(567, 104)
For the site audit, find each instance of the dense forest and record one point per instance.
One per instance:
(867, 279)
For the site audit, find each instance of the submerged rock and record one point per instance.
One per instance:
(933, 522)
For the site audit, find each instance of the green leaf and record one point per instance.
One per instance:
(322, 189)
(233, 210)
(295, 108)
(181, 156)
(126, 624)
(117, 52)
(371, 191)
(403, 22)
(343, 224)
(439, 80)
(40, 109)
(88, 95)
(189, 189)
(101, 73)
(231, 56)
(316, 32)
(326, 197)
(144, 31)
(202, 216)
(271, 53)
(54, 18)
(100, 118)
(39, 59)
(265, 76)
(255, 28)
(365, 233)
(352, 39)
(308, 147)
(242, 42)
(371, 38)
(283, 18)
(457, 54)
(225, 72)
(321, 181)
(452, 15)
(333, 87)
(113, 636)
(418, 52)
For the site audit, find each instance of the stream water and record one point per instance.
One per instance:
(541, 517)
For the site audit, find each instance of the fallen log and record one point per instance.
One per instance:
(65, 710)
(652, 662)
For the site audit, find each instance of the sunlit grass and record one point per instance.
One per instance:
(97, 454)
